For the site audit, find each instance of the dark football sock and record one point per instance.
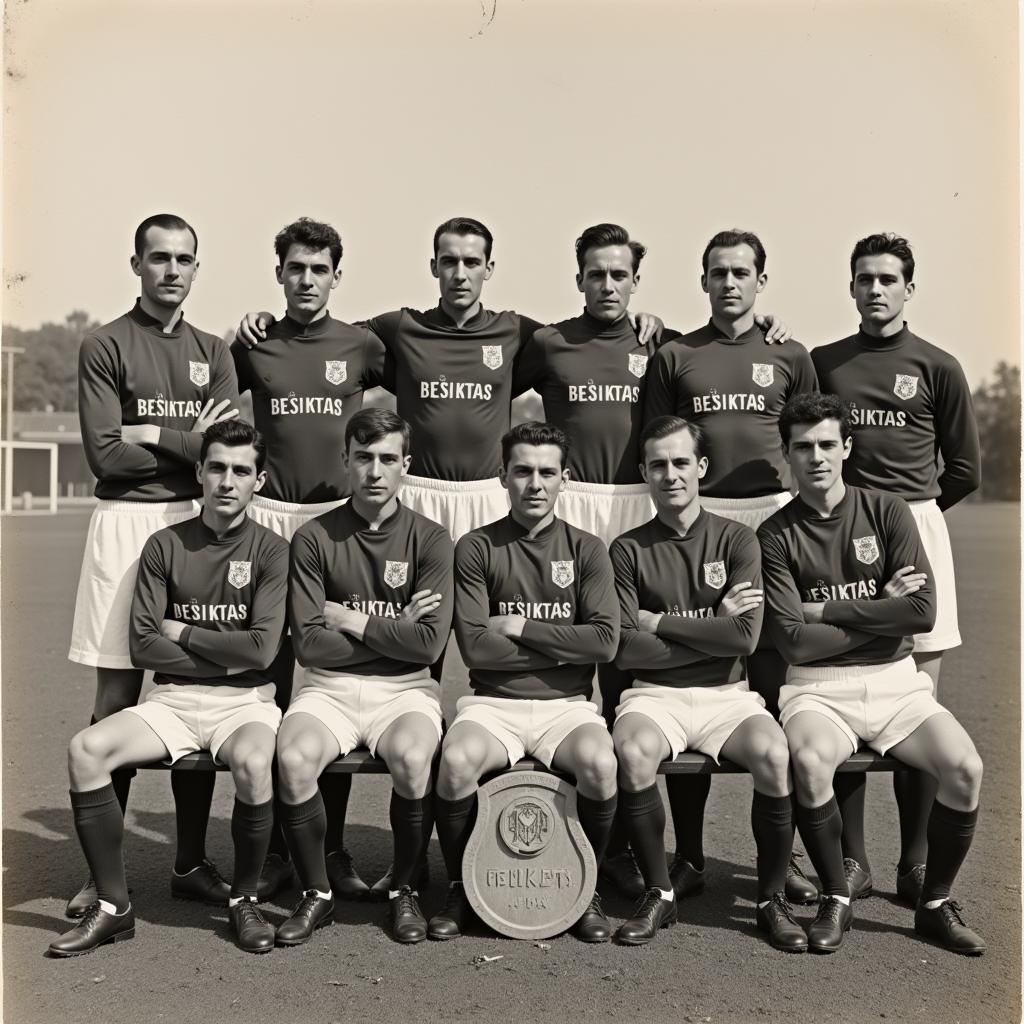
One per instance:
(771, 819)
(596, 817)
(100, 827)
(455, 820)
(949, 838)
(618, 841)
(821, 829)
(304, 826)
(121, 779)
(250, 832)
(915, 794)
(850, 789)
(412, 821)
(644, 815)
(193, 796)
(335, 787)
(687, 795)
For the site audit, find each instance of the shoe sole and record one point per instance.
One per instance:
(286, 943)
(443, 938)
(936, 941)
(260, 949)
(409, 942)
(643, 942)
(119, 937)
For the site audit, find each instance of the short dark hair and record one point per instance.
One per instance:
(600, 235)
(464, 226)
(813, 407)
(370, 425)
(167, 221)
(726, 239)
(663, 426)
(876, 245)
(533, 433)
(234, 434)
(310, 234)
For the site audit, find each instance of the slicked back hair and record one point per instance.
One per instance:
(536, 434)
(371, 425)
(234, 434)
(665, 426)
(166, 221)
(600, 235)
(310, 234)
(727, 239)
(877, 245)
(811, 408)
(464, 226)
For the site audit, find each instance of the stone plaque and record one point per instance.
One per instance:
(529, 870)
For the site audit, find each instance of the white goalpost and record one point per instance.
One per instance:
(7, 455)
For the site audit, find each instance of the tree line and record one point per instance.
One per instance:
(46, 379)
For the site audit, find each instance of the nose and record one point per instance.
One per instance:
(607, 286)
(172, 268)
(307, 277)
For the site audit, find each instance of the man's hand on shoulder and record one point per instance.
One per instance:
(775, 329)
(646, 325)
(253, 327)
(211, 414)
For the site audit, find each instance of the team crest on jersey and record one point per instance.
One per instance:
(866, 548)
(714, 574)
(239, 574)
(637, 364)
(562, 574)
(492, 356)
(336, 371)
(396, 573)
(905, 386)
(199, 373)
(763, 374)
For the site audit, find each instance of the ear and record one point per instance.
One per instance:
(406, 463)
(136, 265)
(636, 284)
(261, 479)
(847, 448)
(643, 472)
(579, 283)
(503, 476)
(563, 481)
(336, 280)
(433, 267)
(702, 467)
(488, 270)
(199, 472)
(908, 292)
(279, 273)
(853, 294)
(762, 280)
(704, 282)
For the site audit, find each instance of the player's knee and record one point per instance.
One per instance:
(809, 766)
(411, 765)
(86, 753)
(965, 776)
(460, 766)
(296, 768)
(253, 768)
(637, 760)
(597, 767)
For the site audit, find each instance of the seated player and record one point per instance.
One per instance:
(535, 611)
(847, 585)
(207, 616)
(689, 594)
(370, 608)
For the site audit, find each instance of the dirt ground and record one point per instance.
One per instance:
(711, 967)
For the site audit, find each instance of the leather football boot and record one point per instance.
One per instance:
(203, 883)
(378, 892)
(946, 926)
(622, 873)
(276, 875)
(87, 896)
(592, 925)
(253, 933)
(652, 913)
(345, 881)
(799, 888)
(857, 878)
(96, 928)
(685, 878)
(451, 920)
(776, 920)
(311, 913)
(910, 885)
(825, 935)
(407, 921)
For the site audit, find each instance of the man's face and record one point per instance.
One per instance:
(375, 470)
(607, 281)
(672, 471)
(307, 277)
(229, 478)
(461, 269)
(732, 281)
(167, 266)
(534, 478)
(816, 453)
(879, 289)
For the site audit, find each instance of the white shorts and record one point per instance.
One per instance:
(357, 710)
(531, 728)
(931, 525)
(700, 718)
(605, 510)
(750, 512)
(457, 505)
(118, 531)
(879, 704)
(201, 717)
(285, 517)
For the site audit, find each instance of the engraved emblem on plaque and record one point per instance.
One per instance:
(526, 826)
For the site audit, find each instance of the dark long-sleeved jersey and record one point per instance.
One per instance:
(561, 581)
(909, 402)
(685, 578)
(130, 371)
(591, 377)
(230, 592)
(844, 560)
(307, 381)
(337, 557)
(734, 390)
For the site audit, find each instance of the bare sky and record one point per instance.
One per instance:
(812, 122)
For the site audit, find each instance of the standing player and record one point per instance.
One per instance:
(149, 384)
(909, 402)
(847, 585)
(689, 586)
(722, 378)
(207, 617)
(307, 379)
(371, 606)
(535, 611)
